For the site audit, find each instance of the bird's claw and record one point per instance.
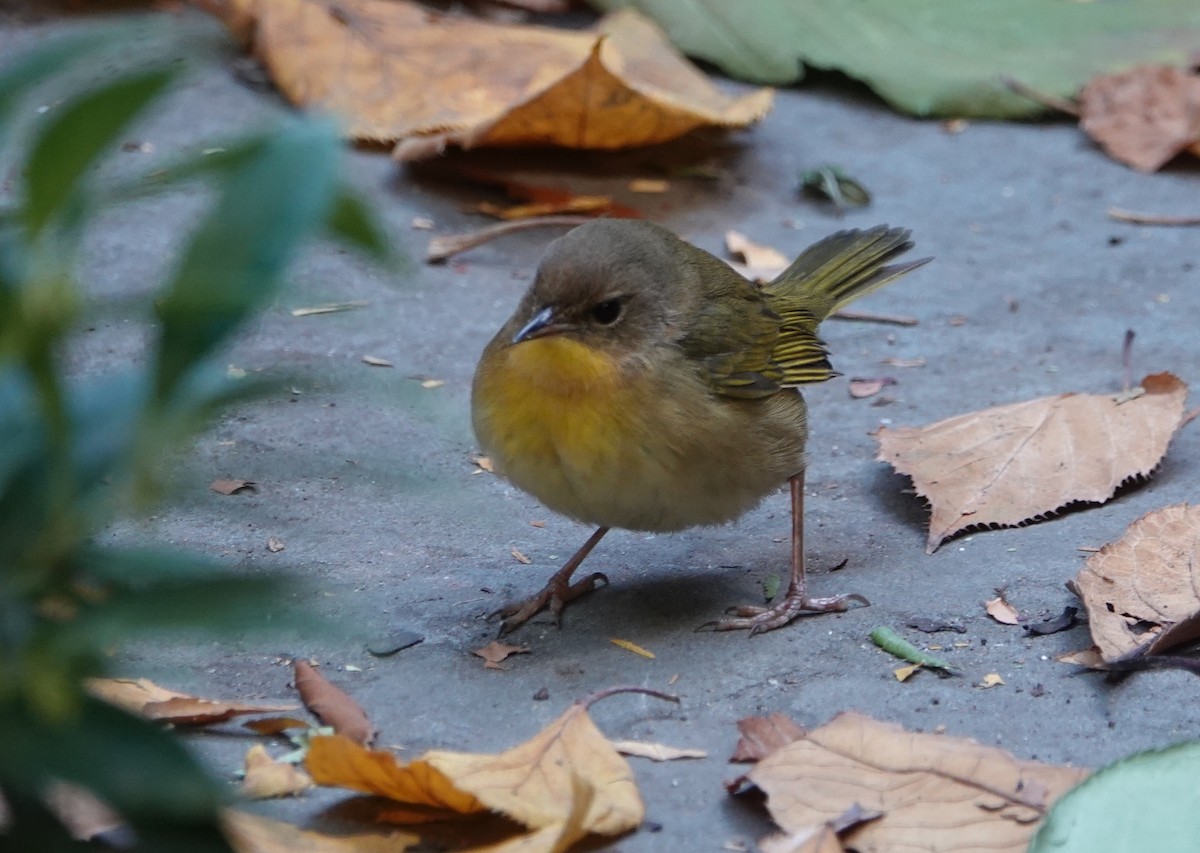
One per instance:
(555, 595)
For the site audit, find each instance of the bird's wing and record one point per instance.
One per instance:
(730, 337)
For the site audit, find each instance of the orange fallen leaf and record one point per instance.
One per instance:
(146, 699)
(761, 736)
(395, 72)
(495, 652)
(332, 705)
(267, 778)
(1000, 610)
(1145, 116)
(563, 783)
(934, 791)
(1013, 464)
(1147, 580)
(275, 725)
(232, 487)
(655, 751)
(250, 833)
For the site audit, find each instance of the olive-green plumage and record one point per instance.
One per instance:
(642, 383)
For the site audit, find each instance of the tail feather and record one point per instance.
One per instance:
(842, 267)
(828, 275)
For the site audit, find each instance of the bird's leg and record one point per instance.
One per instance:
(556, 593)
(795, 601)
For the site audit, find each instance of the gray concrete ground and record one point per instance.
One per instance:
(367, 477)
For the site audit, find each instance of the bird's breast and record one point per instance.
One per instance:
(615, 445)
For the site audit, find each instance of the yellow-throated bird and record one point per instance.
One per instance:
(642, 383)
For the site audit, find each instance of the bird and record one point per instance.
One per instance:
(642, 383)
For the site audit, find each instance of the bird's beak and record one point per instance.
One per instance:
(543, 323)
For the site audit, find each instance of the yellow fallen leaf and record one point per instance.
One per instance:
(992, 679)
(649, 185)
(266, 778)
(904, 673)
(395, 72)
(250, 833)
(146, 699)
(540, 783)
(632, 647)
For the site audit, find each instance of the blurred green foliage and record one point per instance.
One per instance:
(74, 453)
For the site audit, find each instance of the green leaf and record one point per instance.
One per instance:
(353, 222)
(30, 69)
(933, 57)
(137, 768)
(77, 135)
(236, 259)
(1149, 801)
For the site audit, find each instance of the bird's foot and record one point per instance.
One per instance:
(759, 620)
(556, 594)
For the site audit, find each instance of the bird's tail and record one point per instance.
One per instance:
(829, 274)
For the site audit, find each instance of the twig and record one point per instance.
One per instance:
(589, 701)
(870, 317)
(442, 248)
(1122, 215)
(1052, 102)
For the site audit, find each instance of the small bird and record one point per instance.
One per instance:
(642, 383)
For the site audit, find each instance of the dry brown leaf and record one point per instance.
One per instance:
(1148, 579)
(275, 544)
(231, 487)
(1009, 465)
(761, 736)
(331, 705)
(655, 751)
(520, 557)
(266, 778)
(79, 810)
(564, 782)
(1000, 610)
(860, 388)
(935, 792)
(815, 839)
(649, 185)
(992, 679)
(495, 652)
(249, 833)
(759, 261)
(146, 699)
(1144, 117)
(395, 72)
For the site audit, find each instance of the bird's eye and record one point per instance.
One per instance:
(607, 312)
